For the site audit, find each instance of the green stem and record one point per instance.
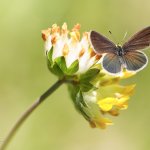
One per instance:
(28, 112)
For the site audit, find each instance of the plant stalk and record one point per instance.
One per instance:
(28, 112)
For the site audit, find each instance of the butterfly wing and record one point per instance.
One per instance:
(101, 44)
(135, 60)
(111, 63)
(138, 41)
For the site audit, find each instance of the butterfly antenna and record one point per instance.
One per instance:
(116, 40)
(124, 37)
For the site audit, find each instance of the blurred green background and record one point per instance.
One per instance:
(24, 76)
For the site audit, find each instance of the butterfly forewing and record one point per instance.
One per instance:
(101, 44)
(111, 63)
(135, 61)
(138, 41)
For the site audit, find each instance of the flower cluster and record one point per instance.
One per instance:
(68, 45)
(95, 94)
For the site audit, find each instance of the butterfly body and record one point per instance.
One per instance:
(128, 56)
(119, 51)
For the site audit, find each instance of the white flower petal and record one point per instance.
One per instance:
(73, 54)
(48, 44)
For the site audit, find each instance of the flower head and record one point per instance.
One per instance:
(95, 93)
(70, 46)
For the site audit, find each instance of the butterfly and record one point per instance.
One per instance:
(128, 56)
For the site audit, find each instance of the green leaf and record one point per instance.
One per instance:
(89, 75)
(61, 63)
(74, 67)
(86, 86)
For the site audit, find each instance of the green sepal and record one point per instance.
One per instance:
(52, 66)
(76, 95)
(74, 67)
(80, 100)
(60, 61)
(85, 79)
(81, 105)
(59, 67)
(49, 56)
(89, 75)
(86, 86)
(56, 70)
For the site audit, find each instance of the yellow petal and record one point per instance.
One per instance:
(101, 123)
(128, 90)
(104, 122)
(127, 74)
(114, 112)
(106, 104)
(122, 102)
(110, 81)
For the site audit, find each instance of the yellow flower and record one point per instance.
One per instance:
(106, 99)
(108, 103)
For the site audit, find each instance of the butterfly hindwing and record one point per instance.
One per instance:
(135, 60)
(138, 41)
(111, 63)
(101, 44)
